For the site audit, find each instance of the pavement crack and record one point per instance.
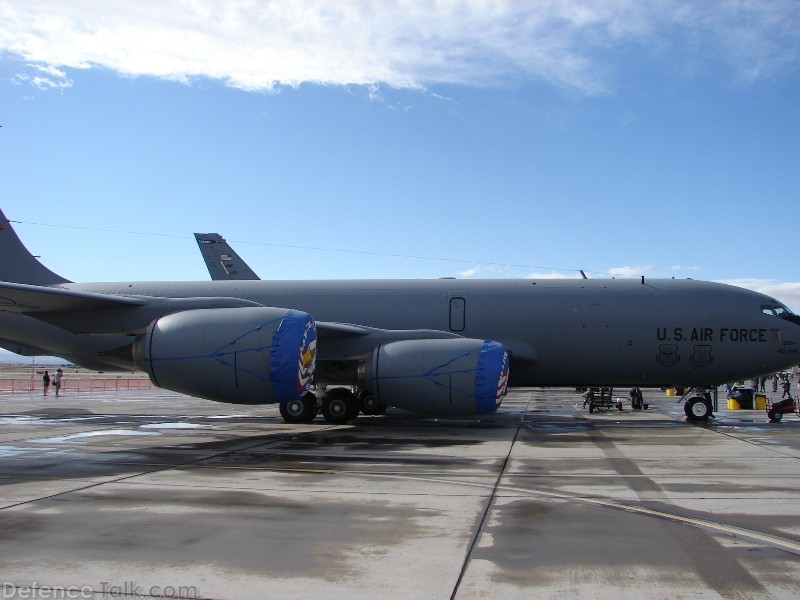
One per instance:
(490, 503)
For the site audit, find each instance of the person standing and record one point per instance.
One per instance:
(57, 381)
(45, 383)
(637, 401)
(787, 388)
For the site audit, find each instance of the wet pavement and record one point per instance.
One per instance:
(152, 493)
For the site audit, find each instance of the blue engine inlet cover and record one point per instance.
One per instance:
(491, 377)
(446, 377)
(249, 355)
(292, 373)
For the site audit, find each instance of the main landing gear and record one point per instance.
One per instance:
(338, 405)
(300, 410)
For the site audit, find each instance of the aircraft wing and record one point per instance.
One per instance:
(345, 341)
(22, 349)
(327, 329)
(23, 298)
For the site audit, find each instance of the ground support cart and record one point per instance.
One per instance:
(599, 398)
(776, 410)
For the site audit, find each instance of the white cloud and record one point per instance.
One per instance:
(752, 35)
(786, 291)
(631, 270)
(45, 77)
(686, 268)
(258, 44)
(469, 272)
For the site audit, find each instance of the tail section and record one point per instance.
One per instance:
(17, 264)
(222, 262)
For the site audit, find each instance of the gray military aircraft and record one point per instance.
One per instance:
(442, 347)
(221, 260)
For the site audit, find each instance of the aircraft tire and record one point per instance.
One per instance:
(300, 410)
(339, 406)
(697, 409)
(370, 405)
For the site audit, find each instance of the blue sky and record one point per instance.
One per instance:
(362, 139)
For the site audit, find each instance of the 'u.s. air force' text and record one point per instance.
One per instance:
(710, 334)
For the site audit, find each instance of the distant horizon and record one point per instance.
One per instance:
(15, 359)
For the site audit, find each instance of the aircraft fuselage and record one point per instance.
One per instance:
(560, 332)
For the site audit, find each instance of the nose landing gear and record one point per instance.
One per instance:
(697, 405)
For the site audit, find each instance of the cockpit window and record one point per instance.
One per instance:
(775, 310)
(779, 310)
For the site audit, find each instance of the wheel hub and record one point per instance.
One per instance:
(295, 408)
(337, 408)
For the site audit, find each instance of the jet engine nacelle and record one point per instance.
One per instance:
(458, 376)
(250, 355)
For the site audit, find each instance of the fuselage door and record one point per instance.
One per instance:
(458, 308)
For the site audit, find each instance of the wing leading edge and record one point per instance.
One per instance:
(23, 298)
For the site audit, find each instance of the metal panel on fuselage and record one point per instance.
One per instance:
(458, 307)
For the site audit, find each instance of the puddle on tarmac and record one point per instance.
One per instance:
(88, 434)
(175, 426)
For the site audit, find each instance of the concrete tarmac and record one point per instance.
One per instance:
(155, 494)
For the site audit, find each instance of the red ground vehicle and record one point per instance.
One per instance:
(776, 410)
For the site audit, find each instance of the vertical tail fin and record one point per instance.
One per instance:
(17, 264)
(222, 262)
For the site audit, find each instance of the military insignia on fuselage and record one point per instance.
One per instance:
(701, 357)
(668, 355)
